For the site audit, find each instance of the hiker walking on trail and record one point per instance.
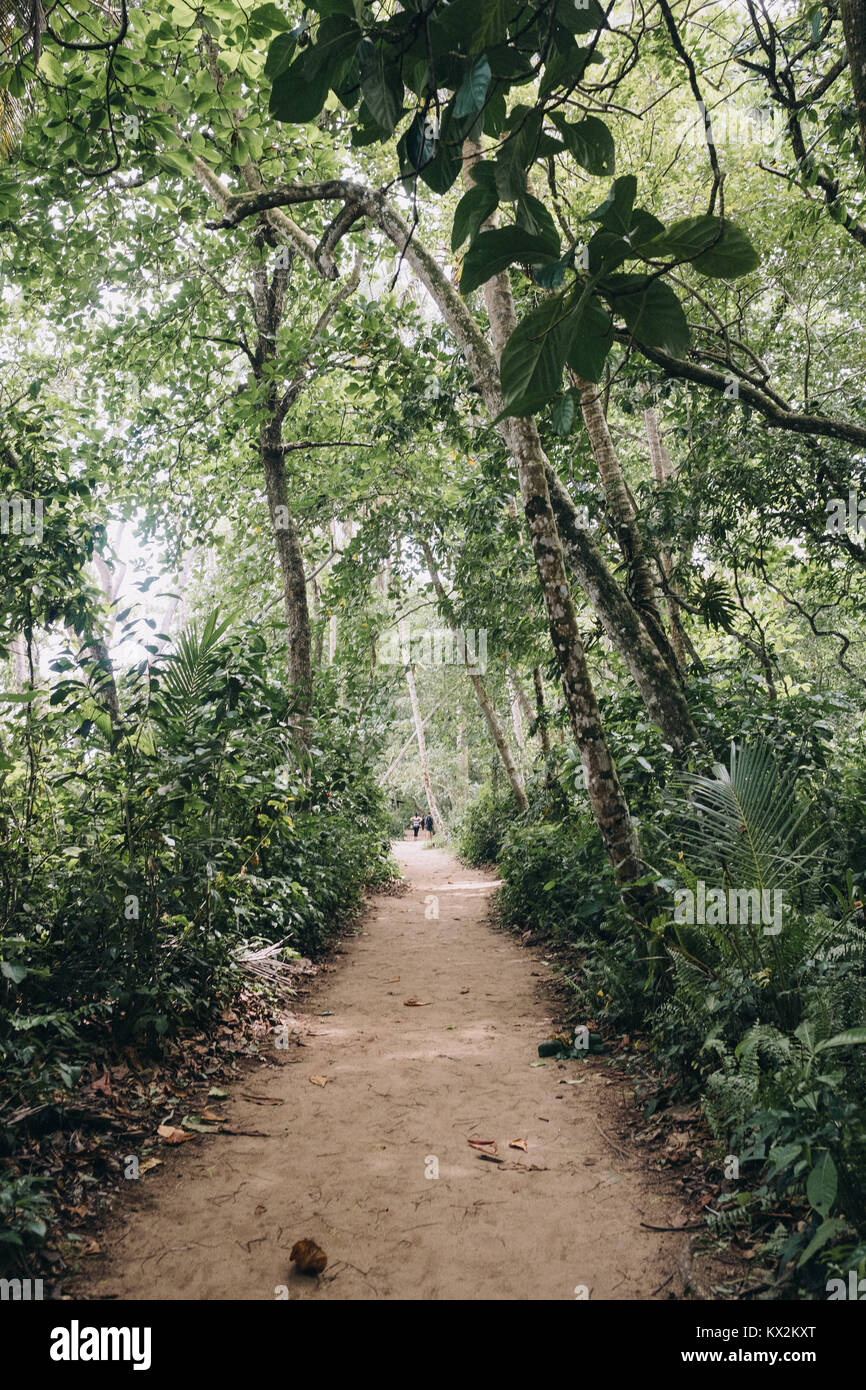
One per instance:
(416, 824)
(428, 824)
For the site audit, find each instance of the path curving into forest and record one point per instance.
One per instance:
(345, 1163)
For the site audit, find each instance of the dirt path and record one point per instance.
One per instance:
(346, 1163)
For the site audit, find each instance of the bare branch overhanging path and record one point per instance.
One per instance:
(345, 1163)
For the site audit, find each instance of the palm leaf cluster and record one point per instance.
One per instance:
(21, 23)
(747, 827)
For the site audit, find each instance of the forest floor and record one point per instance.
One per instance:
(408, 1085)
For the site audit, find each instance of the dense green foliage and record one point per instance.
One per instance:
(766, 1028)
(451, 407)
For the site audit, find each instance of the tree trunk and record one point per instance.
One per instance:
(95, 660)
(516, 686)
(606, 796)
(662, 471)
(316, 617)
(541, 711)
(94, 655)
(383, 778)
(291, 563)
(462, 750)
(662, 693)
(419, 735)
(641, 588)
(487, 709)
(623, 624)
(268, 301)
(516, 714)
(657, 684)
(853, 16)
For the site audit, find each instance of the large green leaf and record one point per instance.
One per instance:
(562, 415)
(537, 219)
(615, 212)
(473, 89)
(580, 16)
(382, 86)
(732, 255)
(562, 70)
(591, 340)
(442, 172)
(267, 19)
(517, 153)
(533, 358)
(822, 1184)
(492, 252)
(415, 148)
(492, 26)
(652, 312)
(715, 246)
(299, 93)
(474, 208)
(589, 141)
(280, 55)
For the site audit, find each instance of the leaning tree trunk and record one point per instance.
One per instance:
(606, 797)
(419, 734)
(662, 472)
(478, 685)
(623, 623)
(656, 681)
(662, 692)
(516, 714)
(621, 509)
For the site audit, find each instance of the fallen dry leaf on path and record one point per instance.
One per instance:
(319, 1080)
(172, 1135)
(517, 1144)
(416, 1003)
(485, 1148)
(395, 979)
(309, 1257)
(148, 1163)
(261, 1100)
(465, 991)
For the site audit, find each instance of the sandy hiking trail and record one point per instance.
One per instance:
(407, 1087)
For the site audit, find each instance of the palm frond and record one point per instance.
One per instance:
(748, 823)
(21, 27)
(188, 671)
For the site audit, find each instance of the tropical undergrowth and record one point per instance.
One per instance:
(760, 1017)
(150, 845)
